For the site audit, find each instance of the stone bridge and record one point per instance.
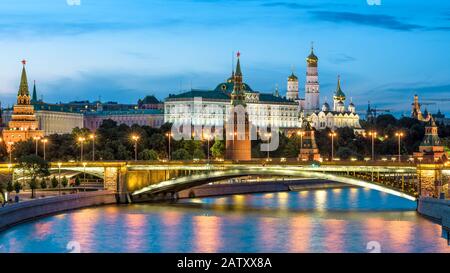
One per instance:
(141, 180)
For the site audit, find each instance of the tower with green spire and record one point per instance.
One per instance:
(34, 98)
(24, 124)
(339, 97)
(23, 95)
(238, 144)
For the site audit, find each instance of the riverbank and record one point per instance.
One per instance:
(28, 210)
(221, 189)
(436, 209)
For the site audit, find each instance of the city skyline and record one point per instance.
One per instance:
(386, 67)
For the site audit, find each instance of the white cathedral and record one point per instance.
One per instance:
(309, 108)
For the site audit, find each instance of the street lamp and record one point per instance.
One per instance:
(59, 177)
(268, 135)
(37, 141)
(301, 134)
(10, 144)
(135, 138)
(208, 138)
(84, 175)
(332, 135)
(81, 140)
(44, 141)
(373, 135)
(169, 136)
(92, 137)
(399, 135)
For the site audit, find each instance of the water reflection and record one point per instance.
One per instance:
(335, 220)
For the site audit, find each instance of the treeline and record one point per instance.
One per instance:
(113, 142)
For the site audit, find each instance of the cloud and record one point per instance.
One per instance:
(381, 21)
(289, 5)
(341, 58)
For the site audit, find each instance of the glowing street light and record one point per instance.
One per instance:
(81, 140)
(59, 177)
(169, 136)
(208, 138)
(92, 137)
(332, 135)
(135, 138)
(37, 141)
(268, 136)
(399, 135)
(373, 135)
(301, 134)
(44, 141)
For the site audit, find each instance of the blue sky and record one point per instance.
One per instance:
(123, 50)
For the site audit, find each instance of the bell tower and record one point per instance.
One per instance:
(312, 83)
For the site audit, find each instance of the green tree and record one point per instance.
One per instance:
(181, 154)
(218, 149)
(33, 184)
(54, 182)
(64, 182)
(9, 187)
(148, 155)
(43, 183)
(33, 167)
(17, 187)
(77, 181)
(198, 154)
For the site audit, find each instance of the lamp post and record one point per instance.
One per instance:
(10, 144)
(301, 134)
(268, 135)
(373, 135)
(208, 138)
(44, 142)
(135, 139)
(169, 136)
(399, 135)
(92, 137)
(59, 177)
(332, 135)
(37, 143)
(84, 175)
(81, 140)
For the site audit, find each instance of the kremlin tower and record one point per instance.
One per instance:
(238, 144)
(312, 84)
(23, 124)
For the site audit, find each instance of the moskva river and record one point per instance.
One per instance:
(334, 220)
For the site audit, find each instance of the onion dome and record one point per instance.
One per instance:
(325, 107)
(292, 78)
(339, 94)
(312, 58)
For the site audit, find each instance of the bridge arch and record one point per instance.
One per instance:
(182, 183)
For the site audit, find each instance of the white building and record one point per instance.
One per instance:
(209, 107)
(339, 116)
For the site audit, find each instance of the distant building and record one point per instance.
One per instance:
(150, 102)
(23, 124)
(337, 117)
(143, 117)
(431, 148)
(309, 150)
(416, 112)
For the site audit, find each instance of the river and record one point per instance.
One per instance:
(332, 220)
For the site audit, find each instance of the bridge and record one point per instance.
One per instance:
(143, 180)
